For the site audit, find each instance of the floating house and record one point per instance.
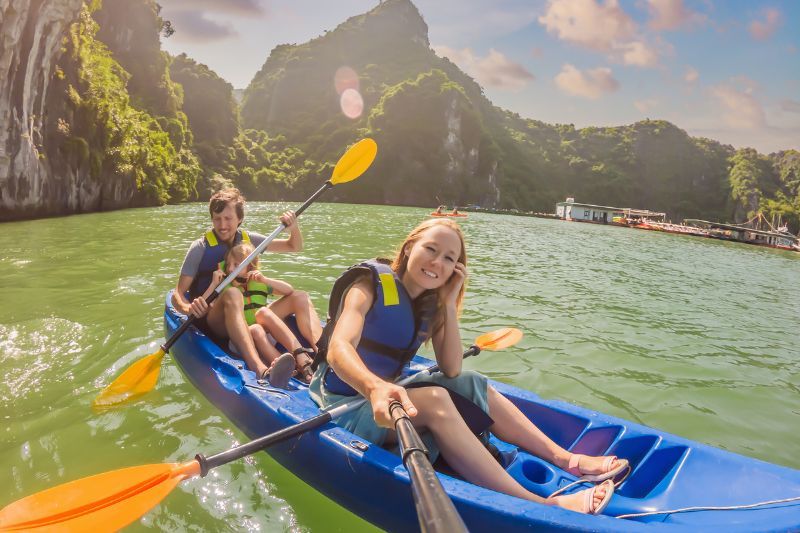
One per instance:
(752, 235)
(603, 214)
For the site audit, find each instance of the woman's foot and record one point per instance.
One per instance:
(589, 501)
(590, 468)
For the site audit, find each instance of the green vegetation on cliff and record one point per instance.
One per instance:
(103, 132)
(134, 113)
(442, 140)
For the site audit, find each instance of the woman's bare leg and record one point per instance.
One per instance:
(514, 427)
(466, 454)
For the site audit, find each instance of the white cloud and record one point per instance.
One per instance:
(646, 105)
(740, 108)
(691, 75)
(672, 15)
(638, 54)
(230, 7)
(200, 20)
(763, 30)
(590, 84)
(494, 70)
(792, 106)
(588, 23)
(601, 27)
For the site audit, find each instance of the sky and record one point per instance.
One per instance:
(724, 69)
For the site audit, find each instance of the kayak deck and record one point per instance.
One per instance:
(668, 472)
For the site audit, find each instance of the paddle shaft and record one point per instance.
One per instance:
(246, 261)
(435, 510)
(219, 459)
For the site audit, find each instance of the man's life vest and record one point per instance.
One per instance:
(213, 253)
(394, 328)
(256, 296)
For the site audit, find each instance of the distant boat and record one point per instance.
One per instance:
(751, 232)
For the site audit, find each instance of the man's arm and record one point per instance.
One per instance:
(189, 269)
(295, 241)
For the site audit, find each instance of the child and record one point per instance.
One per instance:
(382, 314)
(262, 320)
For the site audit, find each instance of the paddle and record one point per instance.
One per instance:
(435, 510)
(142, 375)
(117, 498)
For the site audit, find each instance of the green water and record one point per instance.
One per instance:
(693, 336)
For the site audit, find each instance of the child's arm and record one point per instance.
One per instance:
(278, 287)
(216, 278)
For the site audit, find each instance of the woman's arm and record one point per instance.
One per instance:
(344, 359)
(447, 344)
(447, 340)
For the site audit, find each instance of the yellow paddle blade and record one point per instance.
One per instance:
(138, 379)
(354, 161)
(498, 339)
(107, 501)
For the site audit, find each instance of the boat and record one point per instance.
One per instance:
(668, 472)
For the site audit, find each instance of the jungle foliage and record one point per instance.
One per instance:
(441, 140)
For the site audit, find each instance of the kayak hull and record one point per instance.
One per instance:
(668, 471)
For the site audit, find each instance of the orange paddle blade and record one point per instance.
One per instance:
(107, 501)
(498, 339)
(138, 379)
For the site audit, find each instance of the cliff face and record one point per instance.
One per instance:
(87, 125)
(30, 44)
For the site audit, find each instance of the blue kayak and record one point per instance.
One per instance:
(668, 473)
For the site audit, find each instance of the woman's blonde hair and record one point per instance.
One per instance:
(240, 251)
(400, 263)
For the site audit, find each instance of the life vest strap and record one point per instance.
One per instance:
(395, 353)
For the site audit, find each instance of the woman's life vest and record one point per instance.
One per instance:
(213, 253)
(256, 296)
(394, 327)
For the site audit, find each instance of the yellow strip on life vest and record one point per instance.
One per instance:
(245, 236)
(211, 238)
(390, 296)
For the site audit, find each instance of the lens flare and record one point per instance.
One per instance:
(345, 78)
(351, 103)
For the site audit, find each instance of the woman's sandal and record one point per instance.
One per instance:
(280, 371)
(304, 371)
(607, 476)
(587, 502)
(608, 473)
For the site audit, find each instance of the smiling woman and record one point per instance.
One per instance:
(380, 315)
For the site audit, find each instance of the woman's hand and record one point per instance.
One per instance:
(384, 394)
(449, 291)
(288, 219)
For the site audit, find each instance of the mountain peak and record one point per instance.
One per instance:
(394, 19)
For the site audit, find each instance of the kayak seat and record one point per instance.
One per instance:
(657, 470)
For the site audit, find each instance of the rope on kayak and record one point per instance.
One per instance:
(688, 509)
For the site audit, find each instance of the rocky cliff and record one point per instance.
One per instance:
(72, 137)
(30, 44)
